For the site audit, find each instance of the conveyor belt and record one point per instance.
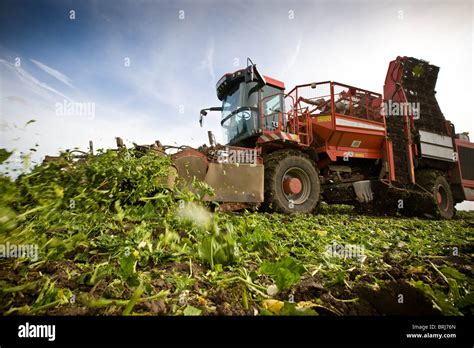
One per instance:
(419, 82)
(395, 129)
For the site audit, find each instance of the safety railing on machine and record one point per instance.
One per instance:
(304, 102)
(329, 98)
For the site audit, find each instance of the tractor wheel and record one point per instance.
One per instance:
(440, 202)
(291, 183)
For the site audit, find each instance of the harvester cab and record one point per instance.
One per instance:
(246, 95)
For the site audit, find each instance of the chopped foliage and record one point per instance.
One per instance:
(109, 235)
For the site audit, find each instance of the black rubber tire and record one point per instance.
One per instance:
(276, 165)
(435, 182)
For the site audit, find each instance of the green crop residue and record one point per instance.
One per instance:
(108, 235)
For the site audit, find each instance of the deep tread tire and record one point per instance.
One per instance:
(276, 165)
(435, 182)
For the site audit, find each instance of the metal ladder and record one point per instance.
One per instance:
(303, 127)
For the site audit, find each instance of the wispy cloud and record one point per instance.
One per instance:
(40, 88)
(293, 58)
(53, 72)
(295, 54)
(208, 63)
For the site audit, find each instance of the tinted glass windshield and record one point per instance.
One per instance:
(272, 108)
(239, 112)
(240, 115)
(231, 102)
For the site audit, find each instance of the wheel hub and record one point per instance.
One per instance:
(292, 186)
(442, 198)
(439, 197)
(296, 185)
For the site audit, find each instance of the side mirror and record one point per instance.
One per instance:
(204, 112)
(201, 115)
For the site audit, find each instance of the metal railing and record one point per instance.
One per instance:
(329, 98)
(315, 99)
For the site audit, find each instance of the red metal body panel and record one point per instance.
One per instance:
(274, 82)
(463, 143)
(335, 119)
(394, 91)
(390, 161)
(268, 136)
(344, 120)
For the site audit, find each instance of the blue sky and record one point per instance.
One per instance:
(175, 61)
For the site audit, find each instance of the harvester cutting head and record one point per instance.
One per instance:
(235, 174)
